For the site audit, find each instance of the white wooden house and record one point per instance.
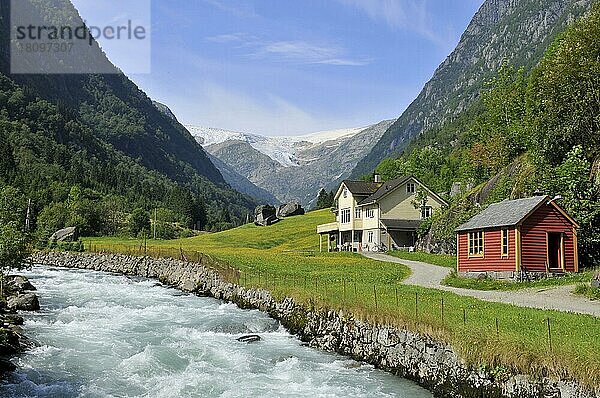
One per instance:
(371, 216)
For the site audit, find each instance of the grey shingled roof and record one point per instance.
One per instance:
(384, 189)
(503, 214)
(361, 187)
(401, 225)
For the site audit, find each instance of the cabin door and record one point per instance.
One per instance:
(555, 250)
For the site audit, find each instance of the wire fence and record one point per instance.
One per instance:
(225, 271)
(387, 302)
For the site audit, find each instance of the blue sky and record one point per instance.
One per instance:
(282, 67)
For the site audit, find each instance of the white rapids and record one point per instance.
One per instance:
(104, 335)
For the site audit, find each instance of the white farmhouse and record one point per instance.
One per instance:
(374, 216)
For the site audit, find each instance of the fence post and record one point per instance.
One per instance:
(442, 310)
(497, 329)
(375, 296)
(549, 334)
(416, 304)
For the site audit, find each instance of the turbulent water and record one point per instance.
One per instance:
(102, 335)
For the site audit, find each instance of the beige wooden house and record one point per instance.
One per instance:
(375, 216)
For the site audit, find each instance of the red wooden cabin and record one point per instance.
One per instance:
(531, 235)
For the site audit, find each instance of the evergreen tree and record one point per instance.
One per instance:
(324, 199)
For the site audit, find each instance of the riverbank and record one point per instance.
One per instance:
(17, 294)
(432, 364)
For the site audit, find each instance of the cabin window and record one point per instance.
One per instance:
(370, 237)
(476, 244)
(505, 235)
(345, 216)
(426, 212)
(345, 192)
(357, 213)
(411, 188)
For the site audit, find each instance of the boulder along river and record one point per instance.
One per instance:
(105, 335)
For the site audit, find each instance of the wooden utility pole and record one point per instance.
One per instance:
(154, 224)
(28, 217)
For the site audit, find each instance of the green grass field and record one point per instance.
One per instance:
(443, 260)
(485, 334)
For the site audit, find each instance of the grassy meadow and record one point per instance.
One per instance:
(498, 336)
(442, 260)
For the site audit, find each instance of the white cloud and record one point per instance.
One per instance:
(294, 51)
(412, 15)
(233, 38)
(237, 8)
(304, 52)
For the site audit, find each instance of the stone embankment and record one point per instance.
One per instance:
(17, 294)
(430, 363)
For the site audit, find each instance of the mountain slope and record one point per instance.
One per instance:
(233, 178)
(513, 30)
(242, 184)
(119, 113)
(292, 168)
(104, 134)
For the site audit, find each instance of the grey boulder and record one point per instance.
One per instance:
(290, 209)
(596, 280)
(19, 283)
(68, 234)
(24, 302)
(265, 215)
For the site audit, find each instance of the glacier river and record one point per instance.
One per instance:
(104, 335)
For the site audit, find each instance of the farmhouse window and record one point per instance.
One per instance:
(345, 216)
(505, 235)
(357, 213)
(370, 213)
(426, 212)
(476, 244)
(345, 192)
(370, 236)
(411, 188)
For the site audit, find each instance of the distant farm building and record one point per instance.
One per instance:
(517, 237)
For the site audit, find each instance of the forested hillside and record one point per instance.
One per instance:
(502, 30)
(92, 151)
(537, 131)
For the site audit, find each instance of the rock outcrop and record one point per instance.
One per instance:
(431, 363)
(502, 30)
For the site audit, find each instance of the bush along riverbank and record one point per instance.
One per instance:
(430, 363)
(17, 295)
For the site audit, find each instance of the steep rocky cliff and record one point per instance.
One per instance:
(517, 31)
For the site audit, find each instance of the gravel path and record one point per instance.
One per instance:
(557, 298)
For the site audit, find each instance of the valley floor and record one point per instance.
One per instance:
(278, 258)
(557, 298)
